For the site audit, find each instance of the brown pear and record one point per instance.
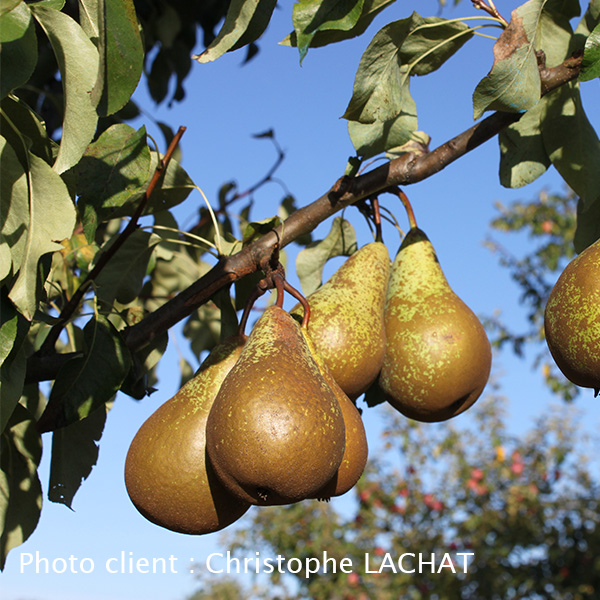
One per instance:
(346, 318)
(356, 451)
(437, 357)
(572, 319)
(167, 474)
(275, 433)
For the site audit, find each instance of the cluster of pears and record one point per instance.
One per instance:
(572, 319)
(400, 326)
(262, 422)
(270, 418)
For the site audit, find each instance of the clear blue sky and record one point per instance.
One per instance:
(225, 104)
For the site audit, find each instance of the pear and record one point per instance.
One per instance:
(356, 448)
(572, 319)
(437, 357)
(275, 433)
(167, 475)
(346, 318)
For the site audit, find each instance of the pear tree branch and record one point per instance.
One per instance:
(404, 170)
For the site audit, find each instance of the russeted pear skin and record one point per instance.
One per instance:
(346, 318)
(438, 358)
(275, 433)
(356, 451)
(167, 474)
(572, 319)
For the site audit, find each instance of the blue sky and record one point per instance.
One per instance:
(226, 104)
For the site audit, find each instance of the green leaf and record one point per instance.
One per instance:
(374, 138)
(245, 22)
(13, 359)
(112, 170)
(341, 241)
(257, 229)
(78, 62)
(590, 64)
(74, 454)
(8, 5)
(322, 37)
(44, 211)
(288, 207)
(20, 489)
(588, 225)
(310, 16)
(24, 130)
(86, 383)
(411, 46)
(523, 156)
(513, 84)
(572, 142)
(113, 27)
(174, 186)
(18, 57)
(123, 276)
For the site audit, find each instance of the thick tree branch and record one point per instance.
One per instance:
(405, 170)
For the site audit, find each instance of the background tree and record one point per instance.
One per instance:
(95, 268)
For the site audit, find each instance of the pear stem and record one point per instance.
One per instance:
(280, 285)
(377, 219)
(254, 296)
(305, 305)
(406, 202)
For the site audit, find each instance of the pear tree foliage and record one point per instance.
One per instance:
(93, 263)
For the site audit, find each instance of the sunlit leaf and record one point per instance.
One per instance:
(78, 62)
(513, 84)
(246, 20)
(19, 48)
(411, 46)
(340, 241)
(310, 16)
(44, 210)
(371, 8)
(112, 26)
(112, 169)
(590, 64)
(20, 489)
(374, 138)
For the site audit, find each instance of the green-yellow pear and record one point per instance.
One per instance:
(275, 433)
(346, 318)
(167, 475)
(437, 357)
(572, 319)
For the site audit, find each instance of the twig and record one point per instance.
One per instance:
(490, 9)
(70, 307)
(249, 191)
